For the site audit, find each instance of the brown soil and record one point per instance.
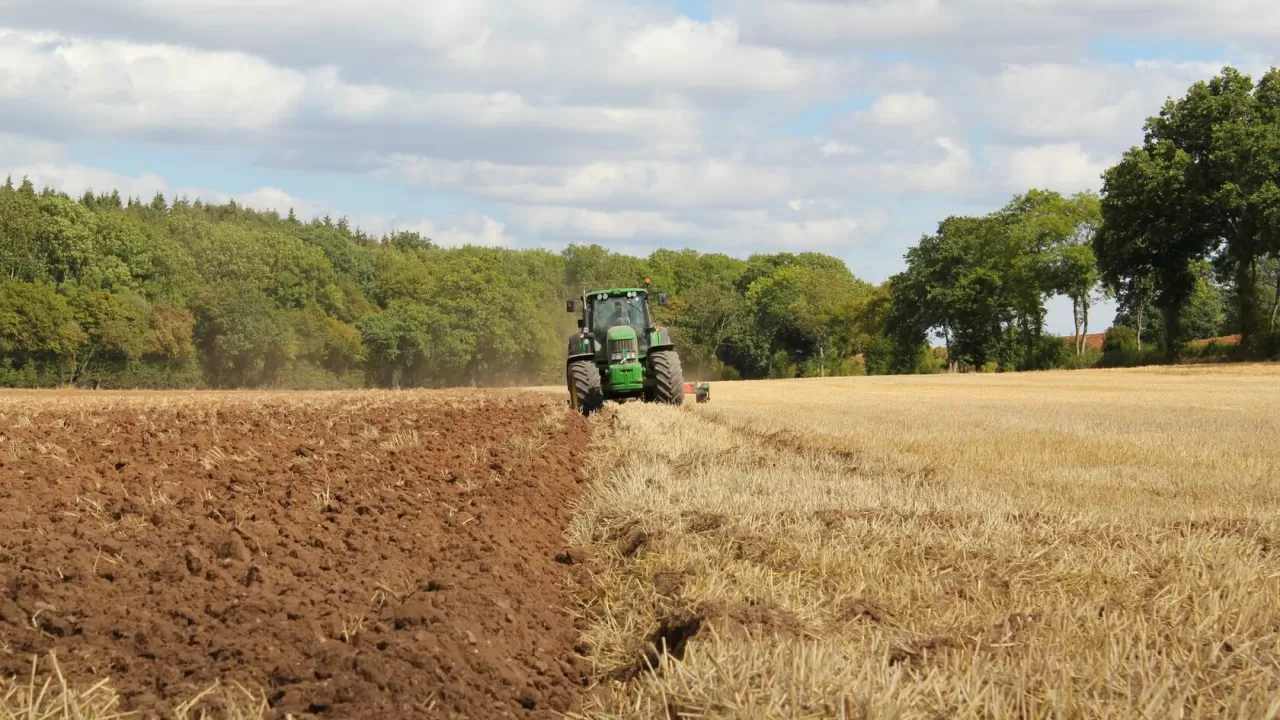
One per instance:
(348, 554)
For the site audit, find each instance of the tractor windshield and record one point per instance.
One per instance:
(610, 312)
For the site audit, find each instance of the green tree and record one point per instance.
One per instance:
(171, 340)
(804, 308)
(1202, 185)
(116, 331)
(397, 341)
(37, 331)
(959, 283)
(1144, 242)
(591, 267)
(244, 339)
(1203, 315)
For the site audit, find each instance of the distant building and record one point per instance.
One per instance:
(1094, 341)
(1224, 340)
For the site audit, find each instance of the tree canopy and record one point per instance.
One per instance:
(980, 283)
(117, 292)
(1202, 186)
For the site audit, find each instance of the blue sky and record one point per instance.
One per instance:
(738, 126)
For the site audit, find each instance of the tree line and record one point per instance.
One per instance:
(107, 291)
(1185, 236)
(1197, 204)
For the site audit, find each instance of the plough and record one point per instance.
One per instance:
(701, 391)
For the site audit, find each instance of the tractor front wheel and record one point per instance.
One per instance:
(585, 393)
(668, 376)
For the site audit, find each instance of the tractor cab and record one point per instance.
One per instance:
(622, 317)
(605, 313)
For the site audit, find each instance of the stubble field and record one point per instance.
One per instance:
(1087, 544)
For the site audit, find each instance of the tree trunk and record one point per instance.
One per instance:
(1031, 345)
(82, 369)
(1075, 316)
(1247, 297)
(1084, 323)
(395, 379)
(1172, 329)
(1142, 304)
(1275, 302)
(946, 339)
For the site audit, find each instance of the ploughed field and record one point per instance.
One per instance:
(362, 554)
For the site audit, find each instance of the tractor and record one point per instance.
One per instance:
(618, 353)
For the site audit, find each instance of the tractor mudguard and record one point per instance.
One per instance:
(579, 348)
(660, 339)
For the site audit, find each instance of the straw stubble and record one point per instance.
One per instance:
(1089, 544)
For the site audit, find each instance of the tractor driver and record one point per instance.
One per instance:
(619, 314)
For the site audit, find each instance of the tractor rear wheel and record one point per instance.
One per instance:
(585, 394)
(669, 385)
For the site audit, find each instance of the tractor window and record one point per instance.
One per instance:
(614, 311)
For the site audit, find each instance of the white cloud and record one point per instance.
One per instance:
(100, 87)
(71, 88)
(462, 229)
(47, 166)
(579, 222)
(1100, 102)
(905, 110)
(640, 184)
(797, 226)
(561, 46)
(840, 234)
(699, 55)
(1065, 167)
(946, 168)
(18, 150)
(76, 178)
(948, 174)
(835, 147)
(263, 198)
(998, 28)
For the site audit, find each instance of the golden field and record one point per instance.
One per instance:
(1076, 544)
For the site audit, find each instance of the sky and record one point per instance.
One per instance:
(735, 126)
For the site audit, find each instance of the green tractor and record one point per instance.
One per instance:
(618, 353)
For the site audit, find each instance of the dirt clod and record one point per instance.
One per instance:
(633, 542)
(675, 631)
(573, 556)
(669, 584)
(863, 609)
(922, 650)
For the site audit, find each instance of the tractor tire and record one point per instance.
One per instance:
(669, 385)
(585, 393)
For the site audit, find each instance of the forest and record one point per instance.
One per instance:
(111, 292)
(105, 291)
